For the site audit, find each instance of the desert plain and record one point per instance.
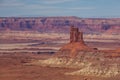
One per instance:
(18, 50)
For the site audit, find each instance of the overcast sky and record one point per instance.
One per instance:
(79, 8)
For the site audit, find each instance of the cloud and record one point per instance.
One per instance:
(1, 1)
(49, 7)
(53, 10)
(82, 8)
(56, 1)
(17, 3)
(10, 3)
(40, 7)
(34, 6)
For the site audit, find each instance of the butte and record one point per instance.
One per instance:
(75, 45)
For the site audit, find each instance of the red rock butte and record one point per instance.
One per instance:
(76, 43)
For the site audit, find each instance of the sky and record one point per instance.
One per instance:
(48, 8)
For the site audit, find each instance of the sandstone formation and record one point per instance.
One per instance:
(75, 35)
(60, 24)
(76, 43)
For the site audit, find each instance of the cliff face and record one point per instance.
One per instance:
(61, 24)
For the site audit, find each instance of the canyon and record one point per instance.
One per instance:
(59, 48)
(60, 24)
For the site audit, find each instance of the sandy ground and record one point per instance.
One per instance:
(12, 64)
(12, 67)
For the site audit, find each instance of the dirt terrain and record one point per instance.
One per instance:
(12, 67)
(16, 52)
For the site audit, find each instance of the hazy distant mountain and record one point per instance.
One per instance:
(61, 24)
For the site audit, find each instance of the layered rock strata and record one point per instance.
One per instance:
(88, 61)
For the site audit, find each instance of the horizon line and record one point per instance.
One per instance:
(55, 16)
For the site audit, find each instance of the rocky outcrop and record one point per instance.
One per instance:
(87, 63)
(76, 44)
(97, 71)
(75, 35)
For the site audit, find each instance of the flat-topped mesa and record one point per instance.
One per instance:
(75, 35)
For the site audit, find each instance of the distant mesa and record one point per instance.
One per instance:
(61, 24)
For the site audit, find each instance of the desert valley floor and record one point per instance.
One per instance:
(14, 54)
